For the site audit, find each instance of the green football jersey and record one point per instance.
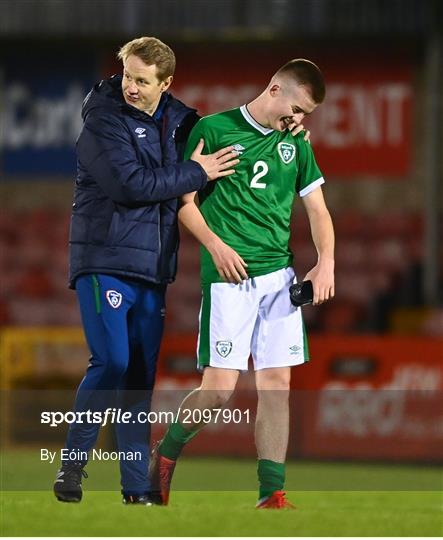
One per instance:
(251, 209)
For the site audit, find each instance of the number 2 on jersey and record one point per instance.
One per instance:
(260, 169)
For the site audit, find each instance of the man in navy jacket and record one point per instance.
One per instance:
(123, 250)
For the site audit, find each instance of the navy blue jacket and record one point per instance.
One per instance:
(129, 178)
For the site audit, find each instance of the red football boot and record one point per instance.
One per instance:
(161, 470)
(276, 500)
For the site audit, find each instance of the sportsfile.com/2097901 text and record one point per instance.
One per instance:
(114, 415)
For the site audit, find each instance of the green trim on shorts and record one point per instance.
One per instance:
(305, 341)
(204, 354)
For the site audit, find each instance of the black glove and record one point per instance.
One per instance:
(301, 293)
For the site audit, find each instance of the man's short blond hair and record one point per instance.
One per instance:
(153, 52)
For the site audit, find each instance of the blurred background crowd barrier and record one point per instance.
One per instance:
(377, 138)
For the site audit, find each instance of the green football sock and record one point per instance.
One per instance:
(271, 476)
(175, 439)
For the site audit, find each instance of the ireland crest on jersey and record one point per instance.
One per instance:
(286, 151)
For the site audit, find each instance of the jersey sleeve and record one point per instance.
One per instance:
(199, 131)
(309, 176)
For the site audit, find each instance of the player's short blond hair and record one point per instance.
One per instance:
(153, 52)
(306, 73)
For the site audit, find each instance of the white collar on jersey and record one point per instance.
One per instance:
(250, 120)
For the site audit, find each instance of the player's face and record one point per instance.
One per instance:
(140, 85)
(289, 105)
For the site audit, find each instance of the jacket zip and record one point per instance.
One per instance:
(159, 243)
(160, 257)
(162, 139)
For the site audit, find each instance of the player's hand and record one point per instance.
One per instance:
(230, 266)
(219, 163)
(295, 130)
(322, 277)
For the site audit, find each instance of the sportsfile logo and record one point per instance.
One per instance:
(140, 132)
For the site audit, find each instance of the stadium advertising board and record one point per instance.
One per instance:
(358, 398)
(372, 397)
(40, 118)
(362, 129)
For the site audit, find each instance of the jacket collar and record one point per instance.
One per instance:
(107, 94)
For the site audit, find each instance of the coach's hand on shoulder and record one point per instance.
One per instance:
(295, 130)
(230, 266)
(219, 163)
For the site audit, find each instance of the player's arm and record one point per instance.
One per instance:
(105, 150)
(322, 231)
(230, 266)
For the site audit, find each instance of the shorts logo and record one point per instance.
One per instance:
(223, 348)
(286, 152)
(295, 349)
(114, 298)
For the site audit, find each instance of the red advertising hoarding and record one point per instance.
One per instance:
(367, 397)
(364, 127)
(358, 398)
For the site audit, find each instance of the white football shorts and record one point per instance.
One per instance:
(255, 317)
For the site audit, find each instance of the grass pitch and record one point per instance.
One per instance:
(220, 512)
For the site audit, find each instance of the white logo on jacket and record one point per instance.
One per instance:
(141, 132)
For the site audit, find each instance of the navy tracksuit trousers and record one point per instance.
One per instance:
(123, 324)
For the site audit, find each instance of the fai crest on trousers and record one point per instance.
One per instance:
(223, 348)
(114, 298)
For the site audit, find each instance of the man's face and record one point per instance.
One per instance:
(290, 103)
(140, 85)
